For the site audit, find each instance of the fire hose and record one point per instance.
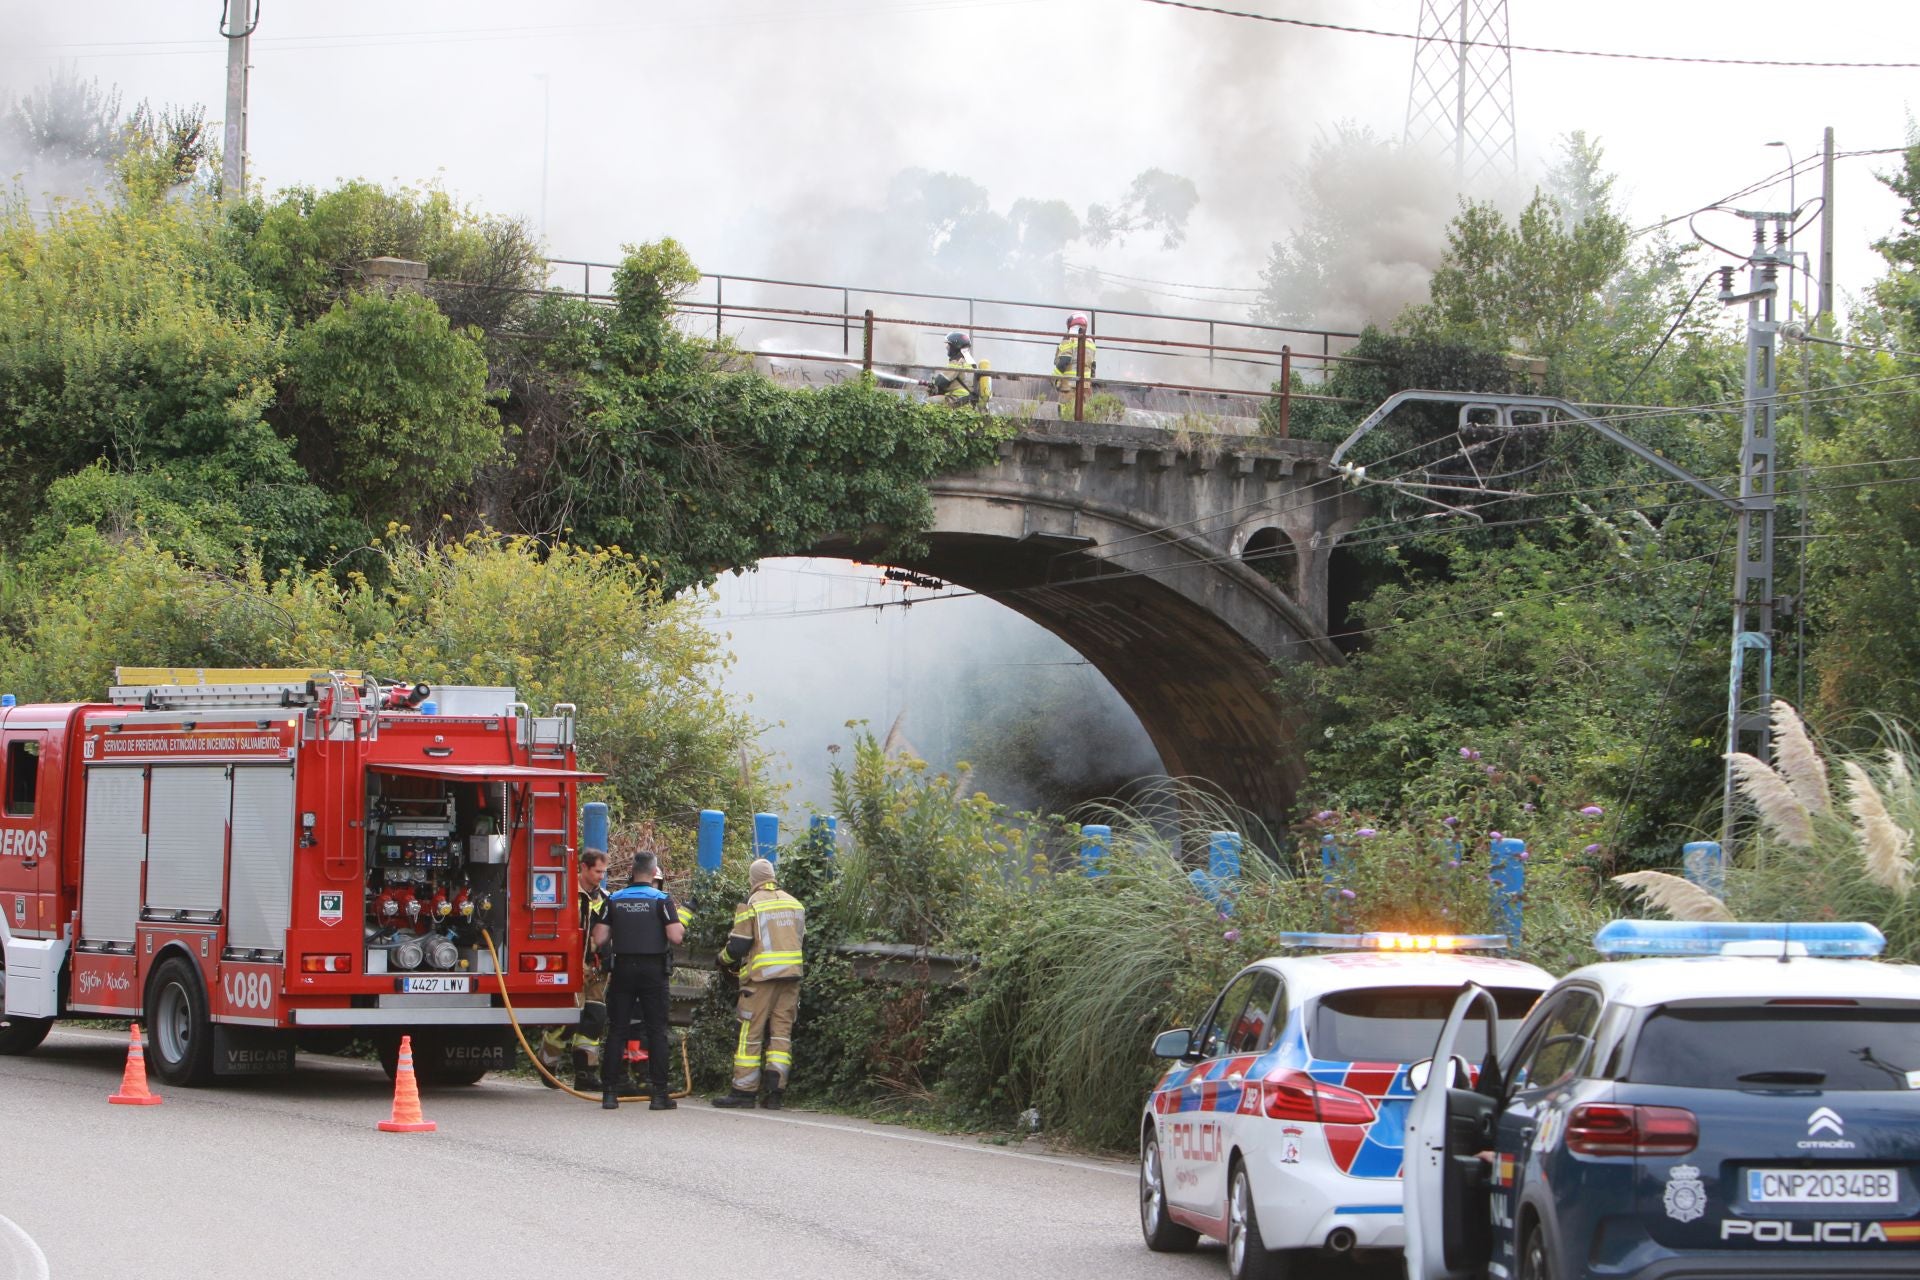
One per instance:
(541, 1067)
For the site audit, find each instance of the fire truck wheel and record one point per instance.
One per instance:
(19, 1035)
(181, 1036)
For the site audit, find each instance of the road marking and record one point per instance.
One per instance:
(22, 1256)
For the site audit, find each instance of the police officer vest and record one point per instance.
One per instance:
(637, 919)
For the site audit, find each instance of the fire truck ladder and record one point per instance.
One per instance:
(187, 688)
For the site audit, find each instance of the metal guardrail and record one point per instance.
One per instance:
(1175, 358)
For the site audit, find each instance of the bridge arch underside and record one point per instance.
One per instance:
(1191, 638)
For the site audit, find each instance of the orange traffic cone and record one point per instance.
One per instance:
(133, 1084)
(406, 1097)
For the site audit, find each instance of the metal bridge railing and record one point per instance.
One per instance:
(1163, 365)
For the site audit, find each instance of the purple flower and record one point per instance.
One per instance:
(1466, 753)
(1348, 893)
(1366, 833)
(1455, 864)
(1231, 935)
(1491, 770)
(1592, 848)
(1524, 855)
(1495, 835)
(1451, 821)
(1526, 808)
(1591, 811)
(1325, 815)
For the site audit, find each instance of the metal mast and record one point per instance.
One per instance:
(1750, 677)
(237, 26)
(1460, 96)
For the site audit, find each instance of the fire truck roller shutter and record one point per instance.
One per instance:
(187, 837)
(116, 842)
(260, 872)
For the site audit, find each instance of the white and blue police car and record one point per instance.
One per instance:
(1278, 1127)
(1736, 1100)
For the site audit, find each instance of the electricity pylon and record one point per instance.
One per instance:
(1460, 97)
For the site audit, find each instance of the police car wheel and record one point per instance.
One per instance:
(1535, 1262)
(1163, 1234)
(179, 1033)
(19, 1035)
(1248, 1257)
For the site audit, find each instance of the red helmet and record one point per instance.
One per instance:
(1078, 320)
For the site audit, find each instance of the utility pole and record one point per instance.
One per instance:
(1750, 672)
(1826, 231)
(1460, 95)
(233, 172)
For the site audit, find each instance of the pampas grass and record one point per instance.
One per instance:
(1782, 810)
(1797, 762)
(1886, 848)
(1680, 898)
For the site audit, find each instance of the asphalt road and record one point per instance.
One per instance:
(287, 1177)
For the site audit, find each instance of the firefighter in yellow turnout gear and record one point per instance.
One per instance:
(769, 932)
(585, 1034)
(1066, 362)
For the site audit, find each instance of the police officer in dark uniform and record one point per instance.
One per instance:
(642, 926)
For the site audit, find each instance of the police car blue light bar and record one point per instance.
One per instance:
(1395, 942)
(1712, 938)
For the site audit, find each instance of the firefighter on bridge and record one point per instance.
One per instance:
(1066, 361)
(960, 383)
(764, 949)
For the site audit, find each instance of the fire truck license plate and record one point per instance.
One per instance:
(447, 985)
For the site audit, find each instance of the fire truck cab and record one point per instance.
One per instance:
(251, 862)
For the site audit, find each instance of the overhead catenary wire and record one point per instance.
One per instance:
(1508, 47)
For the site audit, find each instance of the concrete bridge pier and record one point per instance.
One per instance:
(1189, 568)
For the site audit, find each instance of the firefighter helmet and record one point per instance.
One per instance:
(956, 340)
(1078, 320)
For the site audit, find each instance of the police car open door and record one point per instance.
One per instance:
(1449, 1128)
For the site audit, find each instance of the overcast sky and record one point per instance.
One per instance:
(702, 120)
(721, 121)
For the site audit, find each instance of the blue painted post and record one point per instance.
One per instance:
(1212, 890)
(766, 836)
(1329, 859)
(713, 835)
(824, 829)
(1509, 885)
(593, 825)
(1095, 839)
(1705, 863)
(1223, 855)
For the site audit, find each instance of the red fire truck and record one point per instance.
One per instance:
(252, 862)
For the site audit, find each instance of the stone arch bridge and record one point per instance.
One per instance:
(1189, 569)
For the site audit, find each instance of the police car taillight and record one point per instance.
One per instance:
(1295, 1095)
(1613, 1129)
